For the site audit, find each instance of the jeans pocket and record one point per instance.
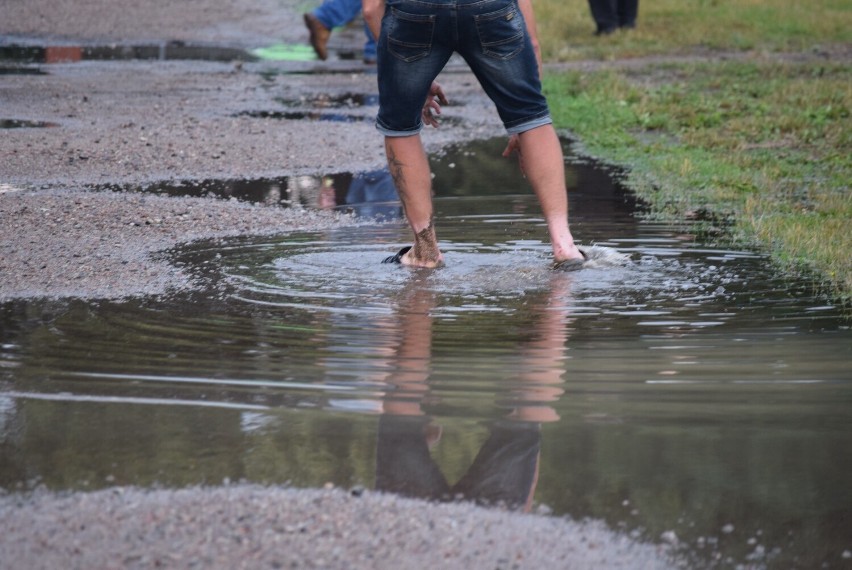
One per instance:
(501, 33)
(410, 35)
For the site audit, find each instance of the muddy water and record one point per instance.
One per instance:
(693, 395)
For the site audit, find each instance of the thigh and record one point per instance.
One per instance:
(495, 43)
(411, 54)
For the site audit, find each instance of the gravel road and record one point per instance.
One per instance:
(142, 122)
(259, 527)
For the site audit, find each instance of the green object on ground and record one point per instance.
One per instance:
(285, 52)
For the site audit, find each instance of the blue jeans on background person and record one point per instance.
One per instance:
(418, 40)
(373, 194)
(336, 13)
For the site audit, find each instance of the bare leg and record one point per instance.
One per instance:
(542, 161)
(409, 168)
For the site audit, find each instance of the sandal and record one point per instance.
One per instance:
(397, 258)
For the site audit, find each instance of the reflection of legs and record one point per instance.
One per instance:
(409, 377)
(403, 463)
(505, 471)
(410, 170)
(545, 168)
(612, 14)
(506, 468)
(541, 381)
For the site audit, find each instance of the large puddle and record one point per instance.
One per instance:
(693, 394)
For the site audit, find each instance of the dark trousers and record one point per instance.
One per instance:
(612, 14)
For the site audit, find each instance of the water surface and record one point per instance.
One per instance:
(694, 392)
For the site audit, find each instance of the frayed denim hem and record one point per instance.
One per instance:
(391, 133)
(529, 125)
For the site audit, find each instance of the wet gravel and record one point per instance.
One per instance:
(67, 243)
(138, 122)
(258, 527)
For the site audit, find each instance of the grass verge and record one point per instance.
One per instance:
(689, 26)
(762, 143)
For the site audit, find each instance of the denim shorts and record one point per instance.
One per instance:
(419, 36)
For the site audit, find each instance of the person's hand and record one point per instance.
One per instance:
(514, 146)
(432, 106)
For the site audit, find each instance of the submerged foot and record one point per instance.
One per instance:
(594, 256)
(572, 260)
(572, 263)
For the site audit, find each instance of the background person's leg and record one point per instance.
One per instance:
(412, 177)
(334, 13)
(329, 15)
(627, 12)
(605, 14)
(370, 46)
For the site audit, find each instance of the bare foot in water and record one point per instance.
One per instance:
(570, 259)
(415, 257)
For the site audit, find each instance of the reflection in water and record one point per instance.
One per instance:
(505, 470)
(370, 194)
(367, 194)
(694, 392)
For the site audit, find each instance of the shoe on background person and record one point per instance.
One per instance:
(319, 35)
(610, 15)
(332, 14)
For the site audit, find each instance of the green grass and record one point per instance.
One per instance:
(685, 26)
(761, 143)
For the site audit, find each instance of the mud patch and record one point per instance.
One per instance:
(325, 100)
(19, 70)
(24, 124)
(304, 116)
